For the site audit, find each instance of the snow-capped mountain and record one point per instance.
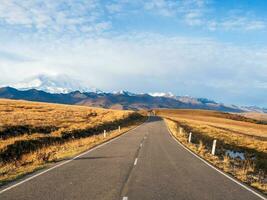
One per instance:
(54, 84)
(124, 92)
(162, 94)
(184, 99)
(52, 88)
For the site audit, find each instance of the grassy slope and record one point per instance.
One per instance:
(34, 134)
(232, 133)
(257, 116)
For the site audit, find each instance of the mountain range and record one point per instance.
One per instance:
(54, 84)
(63, 89)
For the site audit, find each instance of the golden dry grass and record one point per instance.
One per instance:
(257, 116)
(218, 120)
(34, 134)
(62, 116)
(232, 133)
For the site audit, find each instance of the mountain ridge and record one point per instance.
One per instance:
(119, 100)
(67, 90)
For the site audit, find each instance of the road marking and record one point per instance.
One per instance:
(141, 145)
(221, 172)
(63, 163)
(125, 198)
(135, 161)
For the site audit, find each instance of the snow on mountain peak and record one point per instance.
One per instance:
(54, 84)
(124, 92)
(162, 94)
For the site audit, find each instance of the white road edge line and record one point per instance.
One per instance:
(135, 161)
(63, 163)
(221, 172)
(125, 198)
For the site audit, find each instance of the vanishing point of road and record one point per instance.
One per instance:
(144, 164)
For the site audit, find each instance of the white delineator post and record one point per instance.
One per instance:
(119, 128)
(180, 130)
(213, 147)
(105, 134)
(190, 137)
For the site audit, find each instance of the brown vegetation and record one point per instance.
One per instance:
(257, 116)
(34, 134)
(233, 133)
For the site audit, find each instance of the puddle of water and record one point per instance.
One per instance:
(235, 154)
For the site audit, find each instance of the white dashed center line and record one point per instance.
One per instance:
(125, 198)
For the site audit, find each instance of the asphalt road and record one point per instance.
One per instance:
(146, 163)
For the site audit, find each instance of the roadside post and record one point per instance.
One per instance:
(213, 147)
(180, 130)
(190, 137)
(119, 128)
(105, 133)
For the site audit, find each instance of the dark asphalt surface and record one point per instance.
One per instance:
(163, 170)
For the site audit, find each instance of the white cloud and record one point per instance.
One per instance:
(242, 23)
(163, 7)
(60, 16)
(200, 13)
(97, 27)
(194, 18)
(206, 62)
(68, 37)
(114, 7)
(75, 17)
(237, 23)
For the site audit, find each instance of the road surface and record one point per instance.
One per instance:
(144, 164)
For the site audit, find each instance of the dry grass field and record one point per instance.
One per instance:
(241, 142)
(257, 116)
(34, 134)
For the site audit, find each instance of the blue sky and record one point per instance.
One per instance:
(205, 48)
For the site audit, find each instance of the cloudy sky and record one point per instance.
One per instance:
(205, 48)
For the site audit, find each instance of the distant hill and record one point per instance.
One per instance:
(119, 100)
